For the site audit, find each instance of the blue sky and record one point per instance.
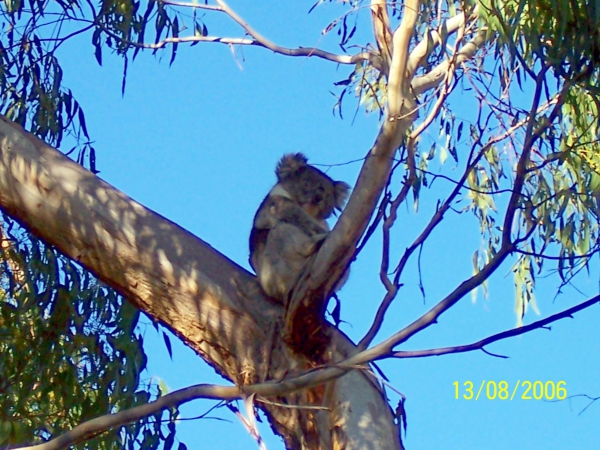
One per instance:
(198, 141)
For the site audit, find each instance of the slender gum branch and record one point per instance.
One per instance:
(479, 345)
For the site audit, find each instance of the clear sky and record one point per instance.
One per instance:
(198, 141)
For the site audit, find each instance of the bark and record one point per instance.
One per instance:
(212, 304)
(307, 300)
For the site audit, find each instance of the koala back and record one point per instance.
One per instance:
(280, 260)
(290, 223)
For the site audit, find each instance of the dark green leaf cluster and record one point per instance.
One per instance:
(70, 346)
(69, 350)
(31, 91)
(564, 34)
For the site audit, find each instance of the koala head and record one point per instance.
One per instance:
(312, 189)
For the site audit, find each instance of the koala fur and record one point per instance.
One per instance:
(290, 225)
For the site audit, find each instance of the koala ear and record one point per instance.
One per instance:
(289, 165)
(341, 194)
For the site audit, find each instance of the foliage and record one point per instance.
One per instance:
(31, 91)
(552, 47)
(526, 168)
(564, 34)
(69, 350)
(69, 345)
(548, 47)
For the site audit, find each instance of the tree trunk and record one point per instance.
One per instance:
(212, 304)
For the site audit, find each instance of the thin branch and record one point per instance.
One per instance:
(583, 256)
(435, 76)
(434, 221)
(288, 406)
(435, 176)
(513, 46)
(192, 5)
(431, 316)
(591, 399)
(446, 90)
(264, 42)
(479, 345)
(256, 39)
(298, 52)
(507, 247)
(93, 427)
(520, 172)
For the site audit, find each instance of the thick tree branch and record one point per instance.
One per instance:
(100, 424)
(209, 302)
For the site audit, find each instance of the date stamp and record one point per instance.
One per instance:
(502, 390)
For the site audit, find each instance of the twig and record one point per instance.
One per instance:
(498, 336)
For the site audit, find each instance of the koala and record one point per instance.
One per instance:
(290, 223)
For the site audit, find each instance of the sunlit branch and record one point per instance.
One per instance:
(434, 39)
(193, 5)
(435, 76)
(479, 345)
(398, 83)
(382, 32)
(300, 51)
(264, 42)
(447, 85)
(441, 99)
(305, 308)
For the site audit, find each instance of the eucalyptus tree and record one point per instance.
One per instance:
(524, 167)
